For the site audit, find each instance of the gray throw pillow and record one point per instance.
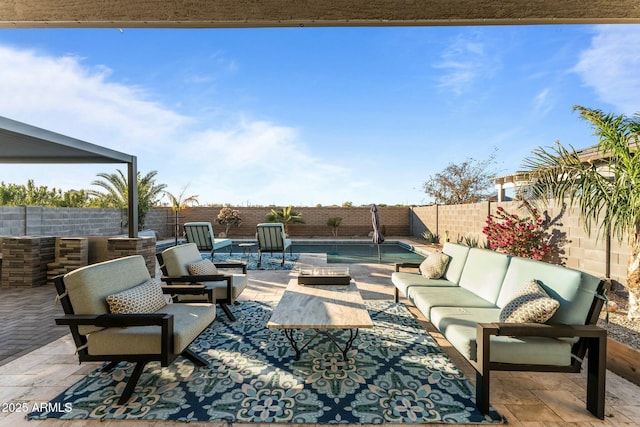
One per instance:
(202, 268)
(435, 265)
(144, 298)
(529, 304)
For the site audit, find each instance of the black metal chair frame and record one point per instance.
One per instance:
(193, 284)
(165, 321)
(271, 247)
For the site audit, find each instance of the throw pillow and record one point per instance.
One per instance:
(434, 266)
(144, 298)
(530, 304)
(201, 268)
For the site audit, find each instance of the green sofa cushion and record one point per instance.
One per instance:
(458, 254)
(190, 319)
(484, 272)
(458, 325)
(406, 280)
(426, 298)
(575, 290)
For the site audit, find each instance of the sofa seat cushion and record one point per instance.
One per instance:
(426, 298)
(405, 280)
(219, 243)
(238, 284)
(458, 325)
(188, 322)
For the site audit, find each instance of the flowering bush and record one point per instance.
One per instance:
(525, 237)
(229, 217)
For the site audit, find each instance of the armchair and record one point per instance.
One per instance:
(183, 268)
(272, 238)
(201, 233)
(117, 313)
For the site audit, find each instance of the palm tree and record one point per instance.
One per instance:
(116, 192)
(178, 203)
(606, 191)
(286, 216)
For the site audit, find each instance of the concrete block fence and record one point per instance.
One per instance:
(579, 251)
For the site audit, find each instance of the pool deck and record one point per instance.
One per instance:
(46, 365)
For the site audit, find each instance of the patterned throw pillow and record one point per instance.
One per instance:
(201, 268)
(434, 266)
(530, 304)
(144, 298)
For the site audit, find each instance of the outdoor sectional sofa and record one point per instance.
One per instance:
(465, 306)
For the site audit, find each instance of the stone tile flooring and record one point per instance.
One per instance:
(524, 398)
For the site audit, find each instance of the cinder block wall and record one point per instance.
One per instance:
(579, 251)
(356, 221)
(40, 221)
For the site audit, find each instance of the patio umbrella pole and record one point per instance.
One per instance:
(377, 235)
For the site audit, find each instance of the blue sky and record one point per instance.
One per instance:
(303, 116)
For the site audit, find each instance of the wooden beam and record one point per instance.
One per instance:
(290, 13)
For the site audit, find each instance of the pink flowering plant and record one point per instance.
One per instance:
(229, 217)
(513, 235)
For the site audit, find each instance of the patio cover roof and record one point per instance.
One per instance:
(23, 143)
(294, 13)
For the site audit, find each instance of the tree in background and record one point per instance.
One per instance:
(32, 195)
(178, 203)
(286, 216)
(606, 191)
(229, 217)
(116, 192)
(460, 183)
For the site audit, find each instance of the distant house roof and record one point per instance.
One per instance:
(23, 143)
(590, 154)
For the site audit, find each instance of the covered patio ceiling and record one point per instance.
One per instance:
(23, 143)
(293, 13)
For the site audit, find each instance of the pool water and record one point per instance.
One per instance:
(354, 252)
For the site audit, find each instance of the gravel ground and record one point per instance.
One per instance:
(619, 327)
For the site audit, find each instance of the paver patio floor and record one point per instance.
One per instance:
(26, 376)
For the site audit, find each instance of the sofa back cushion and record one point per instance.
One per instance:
(484, 272)
(574, 289)
(177, 259)
(88, 287)
(458, 254)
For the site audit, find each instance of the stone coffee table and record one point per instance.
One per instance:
(327, 309)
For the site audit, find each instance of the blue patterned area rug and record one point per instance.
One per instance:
(269, 262)
(394, 373)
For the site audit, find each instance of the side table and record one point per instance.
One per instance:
(247, 249)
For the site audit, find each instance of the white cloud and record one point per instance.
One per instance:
(610, 66)
(542, 103)
(247, 161)
(63, 95)
(463, 63)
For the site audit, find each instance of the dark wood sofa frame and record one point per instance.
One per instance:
(592, 342)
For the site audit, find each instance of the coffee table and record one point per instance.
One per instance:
(327, 309)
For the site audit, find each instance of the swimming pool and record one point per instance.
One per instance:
(350, 252)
